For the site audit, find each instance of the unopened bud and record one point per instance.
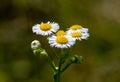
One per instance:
(73, 59)
(35, 44)
(77, 59)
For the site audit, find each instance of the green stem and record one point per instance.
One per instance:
(59, 72)
(55, 53)
(55, 78)
(52, 63)
(66, 66)
(59, 67)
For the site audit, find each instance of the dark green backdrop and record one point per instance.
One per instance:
(101, 51)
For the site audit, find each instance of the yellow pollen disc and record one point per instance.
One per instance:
(76, 34)
(45, 26)
(61, 40)
(60, 32)
(75, 27)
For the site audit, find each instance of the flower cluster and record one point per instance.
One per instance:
(59, 38)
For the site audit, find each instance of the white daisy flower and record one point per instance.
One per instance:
(60, 33)
(77, 28)
(45, 28)
(60, 40)
(35, 44)
(78, 35)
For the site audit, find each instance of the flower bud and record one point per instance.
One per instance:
(77, 59)
(35, 44)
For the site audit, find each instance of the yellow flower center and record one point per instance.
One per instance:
(60, 32)
(61, 40)
(45, 26)
(76, 34)
(75, 27)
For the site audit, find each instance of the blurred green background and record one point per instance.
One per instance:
(101, 51)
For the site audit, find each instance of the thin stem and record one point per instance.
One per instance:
(59, 72)
(66, 66)
(59, 67)
(52, 63)
(55, 53)
(55, 78)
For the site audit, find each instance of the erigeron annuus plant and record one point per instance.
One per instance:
(59, 39)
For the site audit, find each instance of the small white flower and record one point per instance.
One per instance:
(77, 28)
(78, 33)
(60, 40)
(35, 44)
(45, 28)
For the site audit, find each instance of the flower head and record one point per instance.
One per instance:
(77, 28)
(78, 35)
(60, 32)
(35, 44)
(45, 28)
(61, 40)
(78, 32)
